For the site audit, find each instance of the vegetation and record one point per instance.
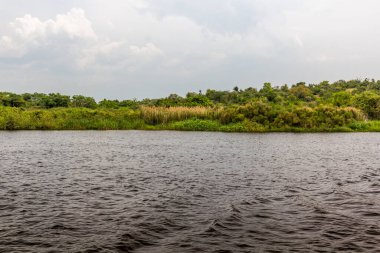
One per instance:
(340, 106)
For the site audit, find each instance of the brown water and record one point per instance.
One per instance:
(133, 191)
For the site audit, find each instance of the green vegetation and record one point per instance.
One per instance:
(341, 106)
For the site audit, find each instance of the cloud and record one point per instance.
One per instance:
(71, 40)
(29, 33)
(154, 47)
(105, 51)
(118, 55)
(74, 24)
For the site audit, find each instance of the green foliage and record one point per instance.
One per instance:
(195, 124)
(268, 92)
(68, 119)
(197, 100)
(55, 100)
(369, 102)
(113, 104)
(301, 92)
(132, 104)
(341, 98)
(82, 101)
(365, 126)
(12, 100)
(338, 106)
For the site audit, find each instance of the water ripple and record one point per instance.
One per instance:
(132, 191)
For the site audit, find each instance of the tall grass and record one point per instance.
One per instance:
(163, 115)
(244, 119)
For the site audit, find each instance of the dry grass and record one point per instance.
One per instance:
(162, 115)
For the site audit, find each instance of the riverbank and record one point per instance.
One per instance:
(181, 119)
(343, 106)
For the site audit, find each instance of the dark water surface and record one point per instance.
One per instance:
(132, 191)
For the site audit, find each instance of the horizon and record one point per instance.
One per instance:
(203, 92)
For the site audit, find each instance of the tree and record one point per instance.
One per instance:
(12, 100)
(111, 104)
(54, 100)
(301, 92)
(341, 98)
(133, 104)
(268, 92)
(82, 101)
(193, 99)
(369, 102)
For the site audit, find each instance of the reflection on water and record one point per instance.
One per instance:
(132, 191)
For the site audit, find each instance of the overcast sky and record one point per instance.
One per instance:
(151, 48)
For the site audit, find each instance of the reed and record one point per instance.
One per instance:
(163, 115)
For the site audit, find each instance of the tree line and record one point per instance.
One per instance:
(360, 94)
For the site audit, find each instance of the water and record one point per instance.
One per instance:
(132, 191)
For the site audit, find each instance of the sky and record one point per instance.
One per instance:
(123, 49)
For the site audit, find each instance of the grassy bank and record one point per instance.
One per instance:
(186, 119)
(342, 106)
(68, 119)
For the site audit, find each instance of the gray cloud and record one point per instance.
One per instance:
(137, 48)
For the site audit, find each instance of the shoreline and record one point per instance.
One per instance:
(185, 119)
(168, 129)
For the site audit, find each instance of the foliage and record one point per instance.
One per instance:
(369, 102)
(195, 124)
(82, 101)
(68, 119)
(338, 106)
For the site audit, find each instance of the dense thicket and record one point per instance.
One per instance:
(302, 106)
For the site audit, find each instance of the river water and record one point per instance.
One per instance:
(138, 191)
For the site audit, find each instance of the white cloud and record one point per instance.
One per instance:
(29, 33)
(71, 38)
(73, 25)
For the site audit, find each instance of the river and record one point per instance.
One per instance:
(162, 191)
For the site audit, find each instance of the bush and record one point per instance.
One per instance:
(195, 125)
